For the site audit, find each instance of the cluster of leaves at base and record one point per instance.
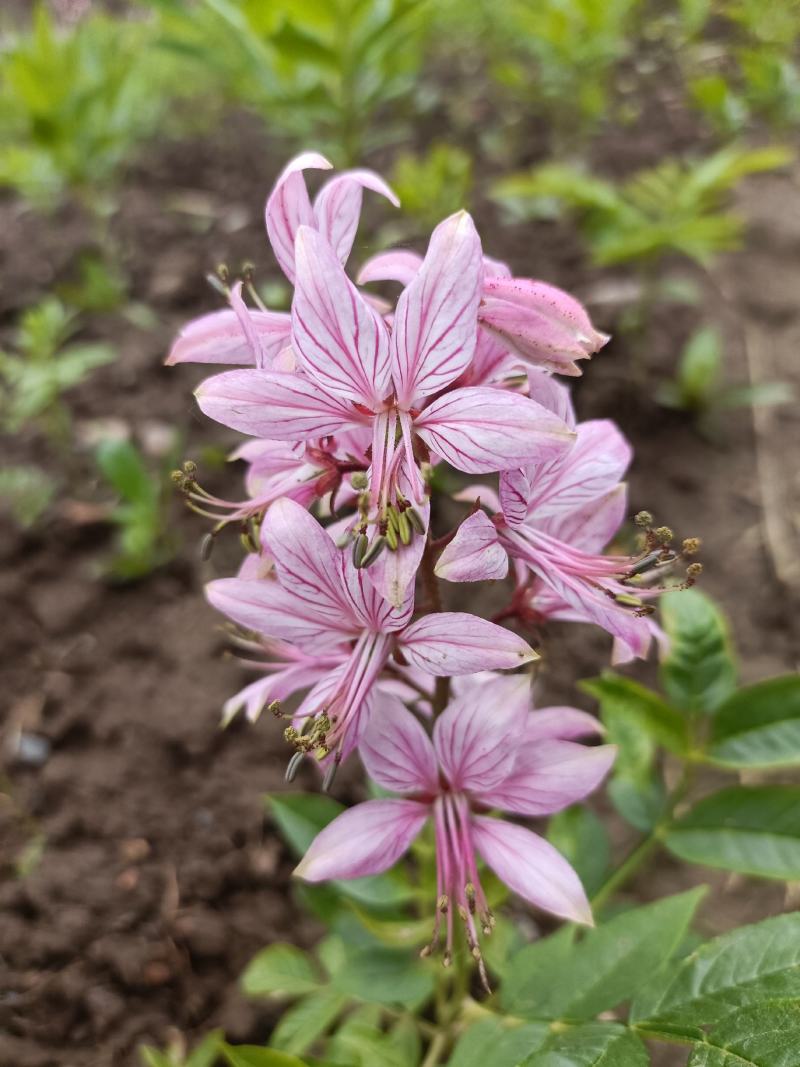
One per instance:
(562, 1000)
(309, 67)
(75, 102)
(703, 718)
(674, 207)
(43, 366)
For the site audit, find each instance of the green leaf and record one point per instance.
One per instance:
(591, 1045)
(255, 1056)
(736, 971)
(206, 1053)
(759, 726)
(764, 1035)
(280, 970)
(124, 469)
(301, 816)
(582, 839)
(699, 671)
(621, 696)
(386, 976)
(302, 1024)
(602, 970)
(699, 368)
(493, 1041)
(753, 830)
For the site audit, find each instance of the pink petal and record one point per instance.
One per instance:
(474, 554)
(269, 609)
(284, 407)
(366, 839)
(399, 265)
(552, 394)
(482, 430)
(375, 611)
(338, 206)
(435, 325)
(289, 207)
(532, 868)
(495, 268)
(593, 467)
(453, 642)
(549, 776)
(476, 737)
(542, 324)
(516, 494)
(393, 573)
(561, 723)
(396, 751)
(307, 562)
(278, 686)
(218, 338)
(342, 342)
(490, 362)
(591, 526)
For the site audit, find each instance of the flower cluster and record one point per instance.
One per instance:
(351, 405)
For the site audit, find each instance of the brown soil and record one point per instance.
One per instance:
(158, 876)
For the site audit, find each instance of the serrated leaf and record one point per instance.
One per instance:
(591, 1045)
(699, 671)
(736, 971)
(386, 976)
(300, 1026)
(623, 696)
(582, 839)
(280, 970)
(605, 968)
(759, 726)
(764, 1035)
(753, 830)
(492, 1041)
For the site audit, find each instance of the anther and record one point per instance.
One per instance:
(274, 708)
(469, 892)
(643, 519)
(207, 547)
(690, 546)
(293, 766)
(359, 480)
(664, 534)
(443, 903)
(360, 546)
(447, 958)
(404, 528)
(330, 774)
(374, 550)
(190, 468)
(694, 570)
(415, 519)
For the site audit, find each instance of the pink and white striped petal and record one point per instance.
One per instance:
(454, 642)
(561, 723)
(592, 525)
(366, 839)
(399, 265)
(219, 338)
(474, 554)
(342, 341)
(435, 325)
(338, 206)
(480, 430)
(549, 776)
(396, 751)
(531, 868)
(284, 407)
(593, 467)
(288, 207)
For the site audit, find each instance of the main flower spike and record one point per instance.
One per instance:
(321, 603)
(489, 751)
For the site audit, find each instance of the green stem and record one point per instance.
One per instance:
(435, 1049)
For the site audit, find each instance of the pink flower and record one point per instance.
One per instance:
(539, 323)
(323, 605)
(555, 519)
(488, 751)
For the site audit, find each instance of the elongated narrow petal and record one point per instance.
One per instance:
(592, 525)
(435, 325)
(399, 265)
(561, 723)
(532, 868)
(453, 642)
(366, 839)
(289, 207)
(342, 341)
(396, 751)
(307, 562)
(549, 776)
(219, 338)
(474, 554)
(516, 494)
(338, 206)
(269, 609)
(483, 430)
(552, 394)
(477, 735)
(542, 324)
(593, 467)
(284, 407)
(495, 268)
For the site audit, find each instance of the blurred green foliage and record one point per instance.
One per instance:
(43, 366)
(320, 69)
(76, 102)
(25, 493)
(432, 185)
(144, 539)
